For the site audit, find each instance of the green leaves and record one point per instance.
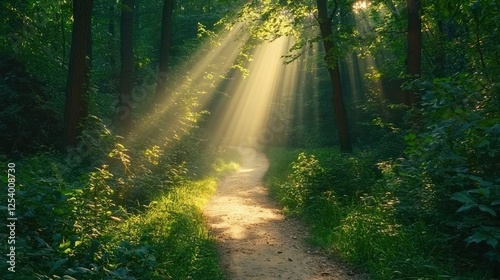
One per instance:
(471, 202)
(58, 265)
(489, 235)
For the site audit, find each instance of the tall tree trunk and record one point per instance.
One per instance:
(127, 67)
(414, 41)
(79, 70)
(325, 24)
(166, 27)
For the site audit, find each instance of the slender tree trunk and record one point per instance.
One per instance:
(325, 24)
(166, 27)
(414, 41)
(78, 74)
(127, 67)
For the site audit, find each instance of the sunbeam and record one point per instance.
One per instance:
(198, 78)
(258, 109)
(251, 111)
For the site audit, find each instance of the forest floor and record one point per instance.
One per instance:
(255, 240)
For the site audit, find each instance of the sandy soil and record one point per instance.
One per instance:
(255, 240)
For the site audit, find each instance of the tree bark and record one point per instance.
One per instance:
(127, 67)
(79, 70)
(166, 27)
(414, 41)
(325, 24)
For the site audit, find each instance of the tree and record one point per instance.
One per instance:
(414, 42)
(166, 27)
(76, 107)
(269, 20)
(331, 59)
(127, 66)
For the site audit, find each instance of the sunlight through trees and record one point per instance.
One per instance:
(380, 120)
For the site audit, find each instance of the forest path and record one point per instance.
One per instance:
(255, 240)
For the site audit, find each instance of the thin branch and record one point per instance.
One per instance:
(334, 10)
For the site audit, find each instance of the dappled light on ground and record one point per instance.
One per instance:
(255, 239)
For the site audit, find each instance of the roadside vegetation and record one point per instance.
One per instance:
(120, 221)
(358, 208)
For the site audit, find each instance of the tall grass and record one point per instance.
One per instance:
(352, 211)
(169, 240)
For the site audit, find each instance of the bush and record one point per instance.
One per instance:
(451, 176)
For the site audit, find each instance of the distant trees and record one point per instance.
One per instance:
(276, 18)
(331, 59)
(166, 27)
(126, 85)
(76, 107)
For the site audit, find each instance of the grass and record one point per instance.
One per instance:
(169, 239)
(63, 234)
(354, 216)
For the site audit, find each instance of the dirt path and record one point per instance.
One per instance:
(255, 240)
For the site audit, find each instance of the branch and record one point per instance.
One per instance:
(334, 11)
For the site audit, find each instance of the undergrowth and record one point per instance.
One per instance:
(351, 205)
(130, 214)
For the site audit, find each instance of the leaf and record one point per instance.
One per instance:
(462, 197)
(492, 241)
(57, 265)
(480, 236)
(120, 272)
(495, 202)
(487, 209)
(482, 191)
(477, 237)
(466, 207)
(42, 242)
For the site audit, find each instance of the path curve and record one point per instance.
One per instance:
(255, 240)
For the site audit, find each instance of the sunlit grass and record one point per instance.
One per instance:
(169, 239)
(172, 231)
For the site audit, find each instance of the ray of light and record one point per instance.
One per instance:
(257, 109)
(358, 66)
(198, 78)
(242, 121)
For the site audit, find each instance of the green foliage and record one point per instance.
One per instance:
(23, 95)
(84, 223)
(452, 168)
(305, 177)
(352, 204)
